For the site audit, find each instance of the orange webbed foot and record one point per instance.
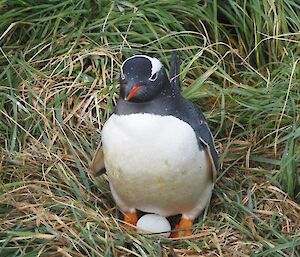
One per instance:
(131, 218)
(185, 225)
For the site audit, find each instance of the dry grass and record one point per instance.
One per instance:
(59, 83)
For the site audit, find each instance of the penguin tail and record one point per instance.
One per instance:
(174, 72)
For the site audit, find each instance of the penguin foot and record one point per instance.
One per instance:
(131, 218)
(185, 226)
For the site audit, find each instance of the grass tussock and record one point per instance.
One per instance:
(59, 65)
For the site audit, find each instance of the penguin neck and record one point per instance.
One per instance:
(164, 104)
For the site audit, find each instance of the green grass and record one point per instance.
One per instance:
(59, 68)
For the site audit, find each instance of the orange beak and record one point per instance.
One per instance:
(132, 92)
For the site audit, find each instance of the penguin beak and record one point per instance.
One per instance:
(132, 92)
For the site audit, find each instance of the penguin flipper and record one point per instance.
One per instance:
(205, 138)
(97, 167)
(174, 72)
(214, 162)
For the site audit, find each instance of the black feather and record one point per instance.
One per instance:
(174, 72)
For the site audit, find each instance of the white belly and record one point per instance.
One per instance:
(154, 164)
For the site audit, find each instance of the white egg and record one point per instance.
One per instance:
(153, 223)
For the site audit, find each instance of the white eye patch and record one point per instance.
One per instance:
(155, 65)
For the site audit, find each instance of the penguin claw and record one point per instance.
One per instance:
(183, 229)
(131, 218)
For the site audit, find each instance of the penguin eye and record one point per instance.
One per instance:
(153, 77)
(122, 75)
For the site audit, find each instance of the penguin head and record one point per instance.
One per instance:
(142, 78)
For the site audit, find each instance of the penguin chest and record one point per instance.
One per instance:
(154, 163)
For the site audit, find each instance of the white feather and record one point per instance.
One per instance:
(154, 164)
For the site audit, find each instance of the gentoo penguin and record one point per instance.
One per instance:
(157, 148)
